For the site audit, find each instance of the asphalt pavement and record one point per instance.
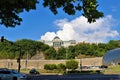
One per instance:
(75, 77)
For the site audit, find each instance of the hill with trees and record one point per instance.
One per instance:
(29, 48)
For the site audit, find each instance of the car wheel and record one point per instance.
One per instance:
(14, 78)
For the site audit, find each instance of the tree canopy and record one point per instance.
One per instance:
(11, 50)
(10, 9)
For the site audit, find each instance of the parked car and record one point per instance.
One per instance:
(34, 71)
(7, 74)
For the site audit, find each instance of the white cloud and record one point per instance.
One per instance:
(48, 36)
(80, 30)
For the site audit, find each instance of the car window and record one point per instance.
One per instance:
(14, 72)
(4, 72)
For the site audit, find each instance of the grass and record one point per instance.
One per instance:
(109, 70)
(112, 70)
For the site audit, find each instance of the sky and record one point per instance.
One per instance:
(42, 24)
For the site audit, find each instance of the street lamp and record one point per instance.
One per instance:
(19, 65)
(80, 62)
(26, 63)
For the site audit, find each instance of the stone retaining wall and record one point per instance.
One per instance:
(39, 64)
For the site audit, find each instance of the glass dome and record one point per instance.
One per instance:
(112, 57)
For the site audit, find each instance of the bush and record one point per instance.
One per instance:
(61, 66)
(50, 66)
(72, 64)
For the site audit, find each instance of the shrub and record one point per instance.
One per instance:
(50, 66)
(61, 66)
(72, 64)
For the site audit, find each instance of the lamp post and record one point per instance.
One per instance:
(19, 65)
(66, 59)
(80, 62)
(26, 63)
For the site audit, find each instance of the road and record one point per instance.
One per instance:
(75, 77)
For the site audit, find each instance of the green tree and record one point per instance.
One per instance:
(89, 7)
(9, 16)
(27, 46)
(71, 52)
(7, 50)
(50, 53)
(82, 48)
(113, 44)
(61, 53)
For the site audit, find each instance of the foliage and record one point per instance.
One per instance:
(29, 48)
(50, 53)
(61, 53)
(26, 47)
(72, 64)
(88, 7)
(92, 49)
(50, 66)
(9, 16)
(61, 66)
(71, 53)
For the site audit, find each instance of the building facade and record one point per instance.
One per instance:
(57, 42)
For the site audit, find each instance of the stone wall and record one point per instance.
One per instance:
(39, 64)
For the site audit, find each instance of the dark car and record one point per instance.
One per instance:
(34, 71)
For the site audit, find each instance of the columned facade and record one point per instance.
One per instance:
(57, 42)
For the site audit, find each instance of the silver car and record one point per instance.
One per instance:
(7, 74)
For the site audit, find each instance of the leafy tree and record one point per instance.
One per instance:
(28, 46)
(6, 50)
(82, 48)
(61, 53)
(89, 7)
(113, 44)
(10, 9)
(70, 52)
(50, 53)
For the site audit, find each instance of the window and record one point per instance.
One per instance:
(5, 72)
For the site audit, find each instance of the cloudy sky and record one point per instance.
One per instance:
(42, 24)
(80, 30)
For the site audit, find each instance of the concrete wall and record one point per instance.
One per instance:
(39, 64)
